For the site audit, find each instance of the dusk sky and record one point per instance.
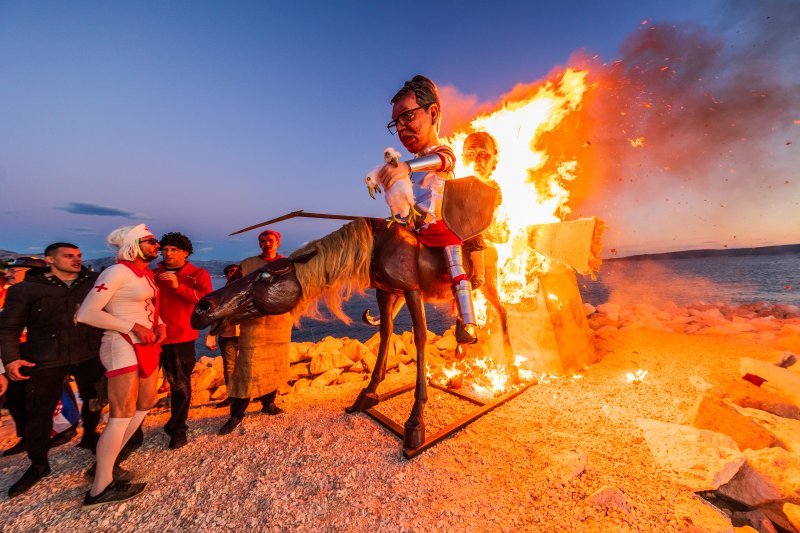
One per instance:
(206, 117)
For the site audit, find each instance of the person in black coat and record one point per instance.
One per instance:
(57, 346)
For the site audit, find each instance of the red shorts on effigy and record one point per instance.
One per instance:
(438, 235)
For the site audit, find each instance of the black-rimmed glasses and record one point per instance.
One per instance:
(404, 118)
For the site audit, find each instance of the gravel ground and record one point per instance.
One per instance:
(315, 468)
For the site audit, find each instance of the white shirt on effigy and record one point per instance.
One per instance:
(119, 300)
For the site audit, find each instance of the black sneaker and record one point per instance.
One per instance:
(19, 447)
(178, 440)
(230, 425)
(31, 477)
(119, 474)
(115, 492)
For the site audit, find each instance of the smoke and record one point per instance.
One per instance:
(694, 114)
(693, 122)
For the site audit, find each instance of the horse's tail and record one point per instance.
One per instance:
(340, 268)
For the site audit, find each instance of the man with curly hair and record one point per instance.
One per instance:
(181, 285)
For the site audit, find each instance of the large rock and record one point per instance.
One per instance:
(327, 345)
(745, 394)
(695, 516)
(324, 361)
(786, 431)
(696, 458)
(220, 393)
(200, 397)
(355, 350)
(298, 351)
(203, 378)
(792, 513)
(769, 475)
(780, 380)
(298, 370)
(327, 378)
(757, 521)
(709, 412)
(446, 343)
(610, 310)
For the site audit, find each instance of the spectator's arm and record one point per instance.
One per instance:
(92, 310)
(13, 320)
(199, 286)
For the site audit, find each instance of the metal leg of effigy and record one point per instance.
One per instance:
(482, 409)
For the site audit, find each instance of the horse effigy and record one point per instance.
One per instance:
(362, 254)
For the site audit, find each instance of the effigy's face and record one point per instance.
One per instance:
(482, 155)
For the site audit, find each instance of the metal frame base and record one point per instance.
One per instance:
(397, 429)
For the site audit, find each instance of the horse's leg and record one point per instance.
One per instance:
(367, 397)
(415, 425)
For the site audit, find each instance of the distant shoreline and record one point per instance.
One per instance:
(783, 249)
(215, 266)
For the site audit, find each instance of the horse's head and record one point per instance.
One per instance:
(271, 290)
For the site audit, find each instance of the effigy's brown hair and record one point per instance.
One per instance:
(340, 268)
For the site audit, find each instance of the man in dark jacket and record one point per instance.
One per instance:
(57, 346)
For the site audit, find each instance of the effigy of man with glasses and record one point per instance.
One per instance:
(416, 116)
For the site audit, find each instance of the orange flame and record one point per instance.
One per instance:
(529, 197)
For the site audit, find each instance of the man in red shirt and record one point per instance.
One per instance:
(181, 285)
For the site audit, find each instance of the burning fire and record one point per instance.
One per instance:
(530, 196)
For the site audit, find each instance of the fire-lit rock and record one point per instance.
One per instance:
(696, 515)
(769, 475)
(792, 513)
(711, 413)
(327, 378)
(745, 394)
(780, 380)
(695, 458)
(785, 431)
(202, 378)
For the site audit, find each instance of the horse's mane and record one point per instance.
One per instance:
(340, 268)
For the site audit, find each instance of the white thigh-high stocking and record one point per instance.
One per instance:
(136, 421)
(108, 447)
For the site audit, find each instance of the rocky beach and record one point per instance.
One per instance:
(666, 431)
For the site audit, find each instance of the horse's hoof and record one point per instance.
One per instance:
(365, 400)
(413, 436)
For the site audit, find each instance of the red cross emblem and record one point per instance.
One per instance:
(101, 287)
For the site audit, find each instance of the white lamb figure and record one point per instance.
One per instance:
(399, 197)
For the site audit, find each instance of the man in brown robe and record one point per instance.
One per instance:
(262, 365)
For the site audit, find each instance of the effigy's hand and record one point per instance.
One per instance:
(389, 174)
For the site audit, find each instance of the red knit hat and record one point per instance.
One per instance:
(271, 232)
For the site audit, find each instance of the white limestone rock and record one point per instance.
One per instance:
(781, 380)
(697, 459)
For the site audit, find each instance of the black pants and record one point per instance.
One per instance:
(178, 361)
(42, 392)
(15, 403)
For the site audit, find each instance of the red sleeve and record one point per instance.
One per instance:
(447, 156)
(199, 286)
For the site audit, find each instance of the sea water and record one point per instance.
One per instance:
(713, 280)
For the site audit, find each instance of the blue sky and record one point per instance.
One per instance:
(205, 117)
